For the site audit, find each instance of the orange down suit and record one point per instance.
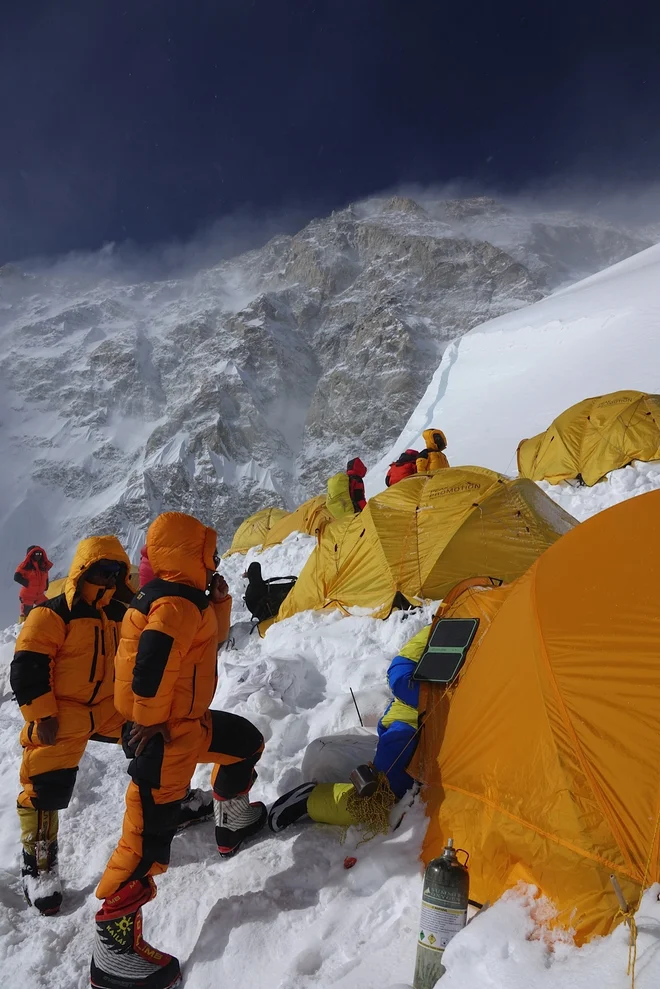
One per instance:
(166, 673)
(63, 667)
(432, 458)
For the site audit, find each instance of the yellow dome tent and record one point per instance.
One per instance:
(544, 760)
(253, 531)
(594, 437)
(422, 535)
(309, 518)
(57, 586)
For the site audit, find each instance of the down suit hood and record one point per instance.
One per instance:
(181, 549)
(430, 442)
(90, 551)
(355, 466)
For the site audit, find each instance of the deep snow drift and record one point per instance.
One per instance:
(285, 914)
(509, 378)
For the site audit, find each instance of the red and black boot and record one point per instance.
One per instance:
(122, 959)
(235, 820)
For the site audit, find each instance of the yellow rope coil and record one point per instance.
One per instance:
(372, 814)
(629, 915)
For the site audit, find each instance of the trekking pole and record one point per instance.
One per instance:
(356, 708)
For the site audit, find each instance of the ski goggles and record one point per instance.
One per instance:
(106, 568)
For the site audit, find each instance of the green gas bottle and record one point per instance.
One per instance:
(444, 913)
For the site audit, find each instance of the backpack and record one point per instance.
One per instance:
(404, 466)
(263, 600)
(338, 501)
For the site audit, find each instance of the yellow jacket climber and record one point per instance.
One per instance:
(432, 458)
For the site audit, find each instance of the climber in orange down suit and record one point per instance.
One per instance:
(62, 675)
(165, 680)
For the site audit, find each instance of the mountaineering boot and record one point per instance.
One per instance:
(121, 958)
(41, 881)
(235, 820)
(290, 808)
(196, 806)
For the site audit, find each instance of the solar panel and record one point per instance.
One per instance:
(446, 650)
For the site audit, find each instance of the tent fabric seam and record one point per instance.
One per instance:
(546, 834)
(595, 789)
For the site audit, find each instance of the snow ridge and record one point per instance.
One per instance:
(250, 382)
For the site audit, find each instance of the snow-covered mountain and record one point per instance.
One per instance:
(288, 897)
(248, 382)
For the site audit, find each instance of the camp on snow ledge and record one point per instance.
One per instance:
(417, 539)
(543, 760)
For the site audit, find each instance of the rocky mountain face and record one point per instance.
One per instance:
(248, 383)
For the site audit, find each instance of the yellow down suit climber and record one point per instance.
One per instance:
(62, 675)
(432, 458)
(165, 680)
(337, 803)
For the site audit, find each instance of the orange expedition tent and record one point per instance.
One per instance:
(422, 535)
(594, 437)
(543, 760)
(310, 518)
(253, 530)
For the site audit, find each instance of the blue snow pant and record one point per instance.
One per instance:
(395, 748)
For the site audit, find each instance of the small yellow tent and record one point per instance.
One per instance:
(594, 437)
(57, 586)
(309, 518)
(254, 529)
(421, 536)
(544, 760)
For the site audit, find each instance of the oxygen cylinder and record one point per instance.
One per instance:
(444, 913)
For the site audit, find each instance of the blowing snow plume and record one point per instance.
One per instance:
(223, 386)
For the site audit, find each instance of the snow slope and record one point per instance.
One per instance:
(285, 913)
(508, 379)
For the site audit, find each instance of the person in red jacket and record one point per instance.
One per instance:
(404, 466)
(32, 575)
(356, 471)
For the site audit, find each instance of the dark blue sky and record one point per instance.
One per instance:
(148, 119)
